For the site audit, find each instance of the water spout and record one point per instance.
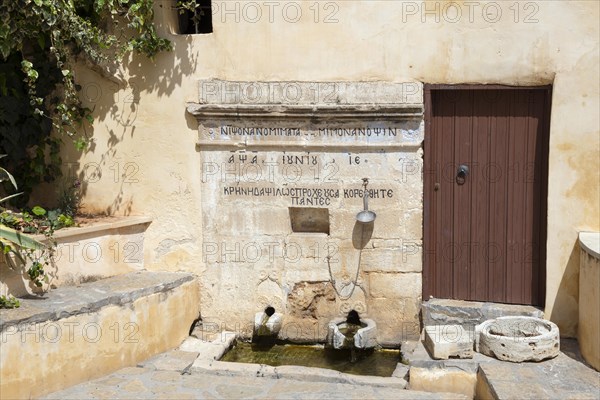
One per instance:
(351, 332)
(267, 323)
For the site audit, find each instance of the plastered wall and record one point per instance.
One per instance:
(144, 159)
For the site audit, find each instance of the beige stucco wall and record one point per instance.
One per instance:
(41, 358)
(144, 159)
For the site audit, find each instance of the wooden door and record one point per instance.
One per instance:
(485, 193)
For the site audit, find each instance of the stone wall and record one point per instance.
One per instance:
(282, 185)
(143, 160)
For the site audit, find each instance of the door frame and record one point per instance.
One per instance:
(428, 175)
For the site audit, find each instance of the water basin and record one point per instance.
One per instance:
(368, 362)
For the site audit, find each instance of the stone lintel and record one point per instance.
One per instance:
(324, 112)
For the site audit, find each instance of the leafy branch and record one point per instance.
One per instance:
(39, 43)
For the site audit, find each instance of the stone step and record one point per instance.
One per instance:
(483, 377)
(471, 313)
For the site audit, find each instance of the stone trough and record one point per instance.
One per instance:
(518, 339)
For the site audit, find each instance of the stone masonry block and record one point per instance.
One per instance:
(446, 341)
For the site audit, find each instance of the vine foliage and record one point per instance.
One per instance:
(40, 40)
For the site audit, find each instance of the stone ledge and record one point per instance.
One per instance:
(107, 224)
(590, 242)
(471, 313)
(292, 372)
(86, 298)
(389, 112)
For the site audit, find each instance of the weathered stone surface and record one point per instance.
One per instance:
(394, 285)
(209, 350)
(267, 326)
(253, 199)
(171, 385)
(364, 338)
(518, 339)
(304, 299)
(206, 351)
(175, 360)
(448, 341)
(470, 313)
(443, 380)
(401, 371)
(212, 92)
(70, 300)
(559, 378)
(94, 329)
(397, 319)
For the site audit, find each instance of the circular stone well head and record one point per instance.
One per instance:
(518, 339)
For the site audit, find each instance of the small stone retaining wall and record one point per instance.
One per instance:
(75, 334)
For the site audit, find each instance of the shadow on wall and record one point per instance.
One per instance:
(361, 234)
(115, 101)
(566, 306)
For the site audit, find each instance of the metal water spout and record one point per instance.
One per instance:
(365, 216)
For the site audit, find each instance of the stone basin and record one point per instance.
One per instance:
(363, 338)
(518, 339)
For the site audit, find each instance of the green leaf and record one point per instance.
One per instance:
(39, 211)
(2, 200)
(4, 175)
(20, 239)
(41, 39)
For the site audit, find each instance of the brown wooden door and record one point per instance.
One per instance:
(485, 193)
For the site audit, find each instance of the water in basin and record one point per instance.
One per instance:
(368, 362)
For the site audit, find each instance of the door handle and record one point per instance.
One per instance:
(461, 174)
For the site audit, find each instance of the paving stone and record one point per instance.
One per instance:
(446, 341)
(149, 384)
(379, 381)
(175, 360)
(232, 390)
(165, 376)
(401, 371)
(562, 377)
(135, 386)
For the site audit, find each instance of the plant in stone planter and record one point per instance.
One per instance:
(19, 249)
